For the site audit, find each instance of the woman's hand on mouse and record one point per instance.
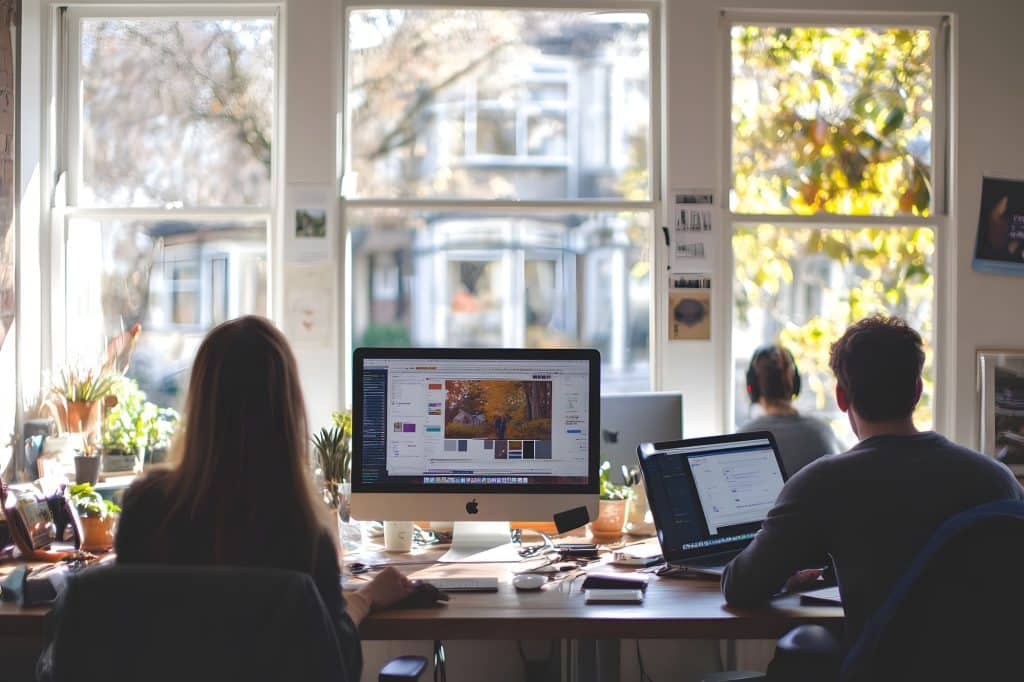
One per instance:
(386, 588)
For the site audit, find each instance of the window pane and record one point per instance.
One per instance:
(176, 112)
(572, 87)
(492, 280)
(177, 279)
(831, 119)
(803, 286)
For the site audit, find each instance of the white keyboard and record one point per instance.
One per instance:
(464, 584)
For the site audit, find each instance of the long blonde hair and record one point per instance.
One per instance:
(241, 457)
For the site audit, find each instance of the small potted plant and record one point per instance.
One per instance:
(77, 399)
(333, 461)
(611, 514)
(134, 428)
(99, 517)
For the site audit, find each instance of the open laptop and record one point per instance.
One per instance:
(709, 496)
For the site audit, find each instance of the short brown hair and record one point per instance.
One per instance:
(878, 362)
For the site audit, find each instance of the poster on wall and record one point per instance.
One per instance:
(1001, 406)
(308, 310)
(689, 306)
(999, 246)
(691, 232)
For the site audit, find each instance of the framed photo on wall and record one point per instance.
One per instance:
(1001, 406)
(999, 246)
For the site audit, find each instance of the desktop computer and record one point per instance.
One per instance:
(471, 435)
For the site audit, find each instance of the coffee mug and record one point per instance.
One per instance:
(397, 536)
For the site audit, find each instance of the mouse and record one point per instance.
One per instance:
(423, 596)
(528, 581)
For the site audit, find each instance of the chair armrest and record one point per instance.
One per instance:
(809, 640)
(402, 668)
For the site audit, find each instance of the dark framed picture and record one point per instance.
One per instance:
(1001, 406)
(999, 246)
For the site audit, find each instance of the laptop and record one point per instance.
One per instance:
(709, 496)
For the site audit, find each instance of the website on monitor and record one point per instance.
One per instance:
(475, 422)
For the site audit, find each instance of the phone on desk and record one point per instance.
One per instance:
(35, 521)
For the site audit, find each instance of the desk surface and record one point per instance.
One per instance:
(673, 608)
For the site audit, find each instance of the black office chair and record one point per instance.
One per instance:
(951, 616)
(144, 622)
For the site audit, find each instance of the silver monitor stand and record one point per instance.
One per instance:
(481, 542)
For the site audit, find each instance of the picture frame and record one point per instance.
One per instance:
(1001, 406)
(999, 243)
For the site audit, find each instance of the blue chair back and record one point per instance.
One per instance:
(954, 613)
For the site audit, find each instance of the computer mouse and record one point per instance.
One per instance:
(424, 595)
(528, 581)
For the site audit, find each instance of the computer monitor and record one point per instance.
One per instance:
(474, 434)
(628, 419)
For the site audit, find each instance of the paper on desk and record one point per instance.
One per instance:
(826, 596)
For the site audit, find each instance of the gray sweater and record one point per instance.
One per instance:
(801, 439)
(872, 509)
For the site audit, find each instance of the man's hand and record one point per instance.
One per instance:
(801, 580)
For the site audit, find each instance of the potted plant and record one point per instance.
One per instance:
(333, 460)
(99, 517)
(134, 428)
(76, 400)
(611, 514)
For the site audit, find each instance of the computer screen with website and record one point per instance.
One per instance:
(712, 491)
(459, 420)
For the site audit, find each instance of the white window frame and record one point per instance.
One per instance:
(653, 205)
(64, 145)
(939, 221)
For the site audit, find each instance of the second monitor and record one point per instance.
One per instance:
(474, 434)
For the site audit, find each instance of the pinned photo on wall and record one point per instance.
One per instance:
(309, 234)
(999, 246)
(308, 304)
(689, 307)
(692, 226)
(310, 223)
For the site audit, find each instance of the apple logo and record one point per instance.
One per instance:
(472, 507)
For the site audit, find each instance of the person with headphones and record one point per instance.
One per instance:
(773, 381)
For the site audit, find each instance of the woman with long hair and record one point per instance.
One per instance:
(240, 491)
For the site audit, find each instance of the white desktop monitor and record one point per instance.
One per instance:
(474, 434)
(628, 419)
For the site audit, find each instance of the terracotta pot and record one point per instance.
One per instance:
(611, 515)
(97, 533)
(84, 417)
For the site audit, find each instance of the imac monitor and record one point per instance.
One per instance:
(474, 434)
(629, 419)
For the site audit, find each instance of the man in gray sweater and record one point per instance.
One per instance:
(872, 508)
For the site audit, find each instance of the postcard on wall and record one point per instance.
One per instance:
(691, 231)
(689, 306)
(309, 309)
(1001, 406)
(309, 224)
(999, 246)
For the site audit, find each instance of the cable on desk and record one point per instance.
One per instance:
(644, 677)
(440, 673)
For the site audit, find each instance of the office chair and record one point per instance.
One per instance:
(147, 622)
(949, 617)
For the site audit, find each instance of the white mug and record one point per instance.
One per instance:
(397, 536)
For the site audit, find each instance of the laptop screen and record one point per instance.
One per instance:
(711, 494)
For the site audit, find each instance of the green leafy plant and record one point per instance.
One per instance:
(136, 424)
(333, 454)
(609, 490)
(75, 385)
(90, 503)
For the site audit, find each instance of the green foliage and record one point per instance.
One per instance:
(834, 120)
(853, 273)
(609, 490)
(332, 447)
(386, 336)
(83, 386)
(88, 502)
(135, 423)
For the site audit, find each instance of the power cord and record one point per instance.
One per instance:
(440, 673)
(644, 677)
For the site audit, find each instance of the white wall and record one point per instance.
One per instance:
(988, 101)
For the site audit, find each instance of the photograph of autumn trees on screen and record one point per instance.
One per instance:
(497, 409)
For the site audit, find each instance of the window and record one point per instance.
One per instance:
(836, 192)
(499, 185)
(169, 159)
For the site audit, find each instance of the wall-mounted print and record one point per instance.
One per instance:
(999, 246)
(1001, 406)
